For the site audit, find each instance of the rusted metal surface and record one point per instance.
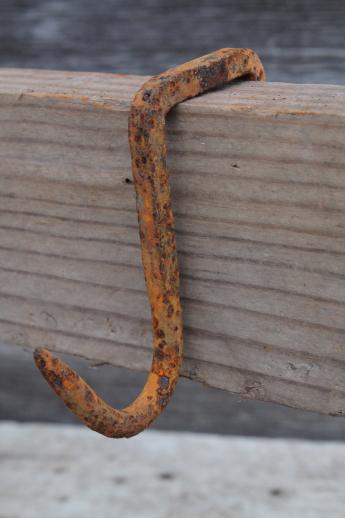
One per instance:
(158, 244)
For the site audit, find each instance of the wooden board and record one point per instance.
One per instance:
(258, 182)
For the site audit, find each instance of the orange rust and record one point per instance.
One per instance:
(158, 244)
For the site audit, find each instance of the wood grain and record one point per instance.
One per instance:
(258, 182)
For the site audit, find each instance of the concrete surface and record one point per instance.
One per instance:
(69, 472)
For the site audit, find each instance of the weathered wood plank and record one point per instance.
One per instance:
(258, 182)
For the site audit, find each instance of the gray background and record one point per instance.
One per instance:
(298, 40)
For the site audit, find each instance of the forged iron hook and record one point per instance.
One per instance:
(158, 244)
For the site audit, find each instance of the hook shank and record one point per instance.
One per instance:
(158, 244)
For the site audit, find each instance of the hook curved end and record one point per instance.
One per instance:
(83, 401)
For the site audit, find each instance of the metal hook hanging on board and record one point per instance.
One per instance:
(147, 115)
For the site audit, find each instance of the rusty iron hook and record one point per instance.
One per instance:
(158, 244)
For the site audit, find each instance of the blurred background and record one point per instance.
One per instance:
(300, 41)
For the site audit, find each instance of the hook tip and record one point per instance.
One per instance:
(41, 355)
